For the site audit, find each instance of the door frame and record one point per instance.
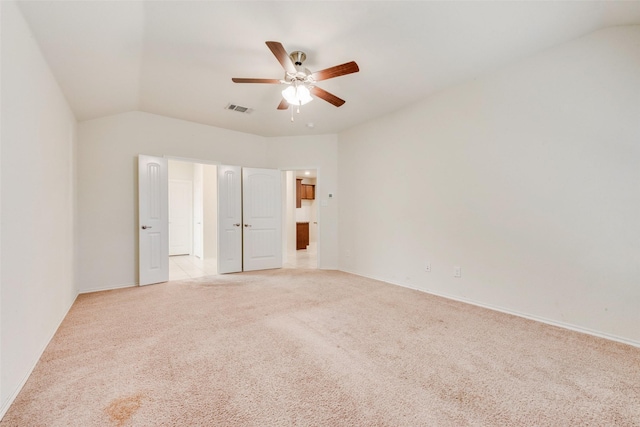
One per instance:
(318, 204)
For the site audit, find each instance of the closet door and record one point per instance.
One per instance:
(262, 219)
(229, 219)
(153, 220)
(198, 210)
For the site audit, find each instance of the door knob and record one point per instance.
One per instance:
(144, 227)
(247, 225)
(236, 225)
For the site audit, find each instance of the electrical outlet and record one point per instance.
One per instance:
(427, 267)
(457, 271)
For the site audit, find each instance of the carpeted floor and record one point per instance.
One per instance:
(318, 348)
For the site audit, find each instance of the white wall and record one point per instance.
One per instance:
(38, 191)
(107, 183)
(321, 153)
(181, 170)
(526, 178)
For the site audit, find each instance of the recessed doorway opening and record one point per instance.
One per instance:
(193, 230)
(301, 219)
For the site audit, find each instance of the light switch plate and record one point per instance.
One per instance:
(457, 271)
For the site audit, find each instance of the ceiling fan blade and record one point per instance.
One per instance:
(284, 105)
(240, 80)
(282, 56)
(337, 71)
(329, 97)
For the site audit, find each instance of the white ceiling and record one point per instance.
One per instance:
(177, 58)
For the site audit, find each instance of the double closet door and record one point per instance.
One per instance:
(249, 219)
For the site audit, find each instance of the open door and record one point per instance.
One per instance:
(262, 219)
(198, 210)
(229, 219)
(153, 219)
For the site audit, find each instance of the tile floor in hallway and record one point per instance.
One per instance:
(303, 258)
(191, 267)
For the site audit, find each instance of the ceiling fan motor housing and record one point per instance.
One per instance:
(302, 74)
(298, 57)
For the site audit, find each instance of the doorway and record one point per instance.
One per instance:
(193, 209)
(301, 219)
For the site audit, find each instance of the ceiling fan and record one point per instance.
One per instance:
(299, 80)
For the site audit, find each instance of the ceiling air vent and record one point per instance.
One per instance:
(239, 108)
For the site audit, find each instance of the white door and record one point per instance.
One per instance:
(180, 216)
(153, 219)
(262, 219)
(198, 210)
(229, 219)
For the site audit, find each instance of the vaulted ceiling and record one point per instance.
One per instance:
(177, 58)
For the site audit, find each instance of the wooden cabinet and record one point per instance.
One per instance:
(302, 235)
(298, 193)
(304, 192)
(309, 191)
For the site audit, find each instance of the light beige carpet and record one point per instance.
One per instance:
(318, 348)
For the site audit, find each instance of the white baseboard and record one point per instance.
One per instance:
(6, 405)
(551, 322)
(107, 288)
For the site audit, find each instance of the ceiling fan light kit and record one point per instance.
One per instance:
(301, 81)
(297, 95)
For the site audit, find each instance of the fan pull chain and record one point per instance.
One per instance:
(297, 111)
